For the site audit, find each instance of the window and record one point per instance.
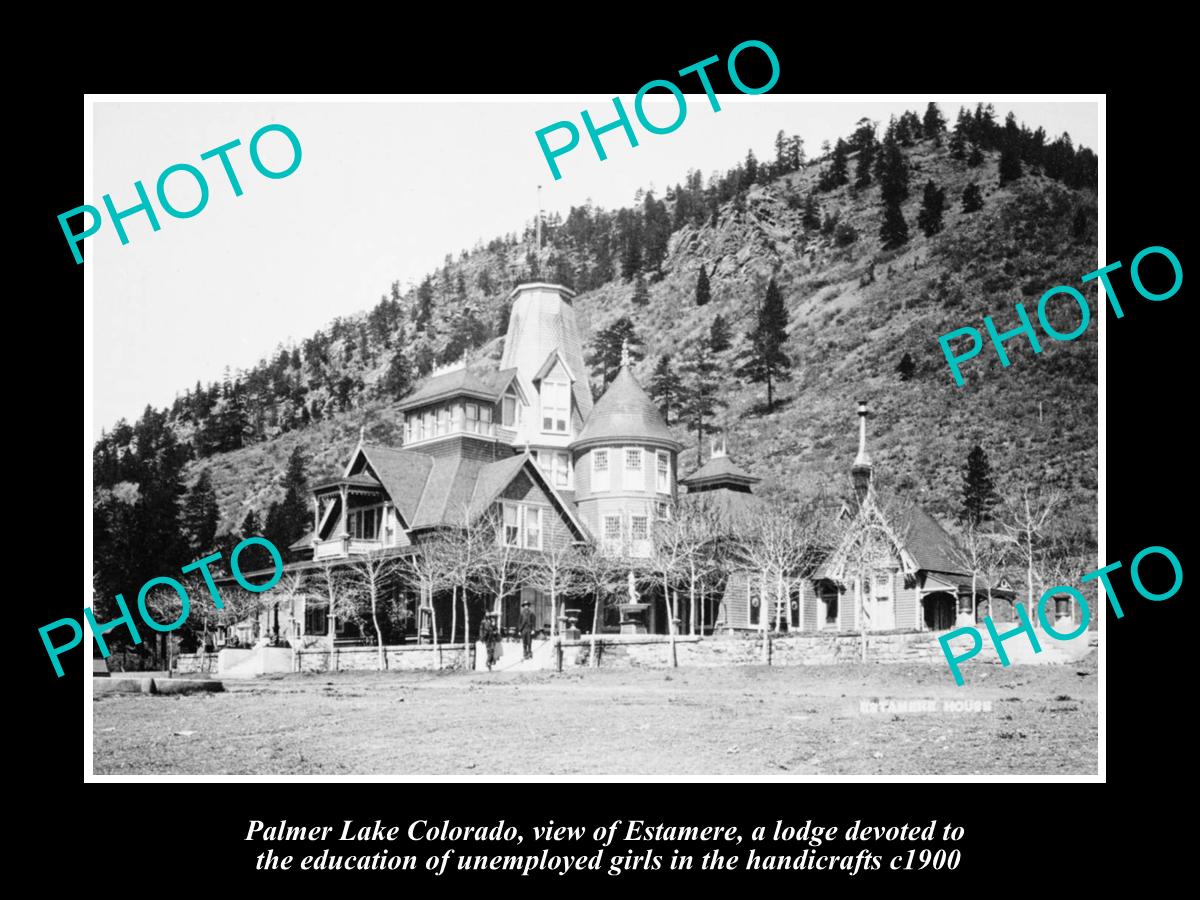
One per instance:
(427, 418)
(512, 525)
(664, 473)
(315, 619)
(562, 470)
(662, 510)
(420, 426)
(633, 463)
(472, 418)
(365, 524)
(485, 420)
(408, 429)
(508, 411)
(830, 598)
(443, 420)
(639, 528)
(612, 528)
(533, 528)
(556, 406)
(599, 470)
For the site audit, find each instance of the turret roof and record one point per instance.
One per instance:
(625, 412)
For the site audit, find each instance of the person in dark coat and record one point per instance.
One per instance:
(490, 635)
(527, 624)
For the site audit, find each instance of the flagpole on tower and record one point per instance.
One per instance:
(538, 245)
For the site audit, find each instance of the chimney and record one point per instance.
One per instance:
(860, 472)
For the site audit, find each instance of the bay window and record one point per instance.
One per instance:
(663, 473)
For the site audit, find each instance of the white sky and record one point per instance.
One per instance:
(384, 191)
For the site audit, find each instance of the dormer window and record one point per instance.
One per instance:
(556, 406)
(508, 411)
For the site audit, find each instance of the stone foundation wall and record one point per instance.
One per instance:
(190, 663)
(399, 658)
(654, 651)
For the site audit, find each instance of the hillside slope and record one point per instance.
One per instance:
(854, 311)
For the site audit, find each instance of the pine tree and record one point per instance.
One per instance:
(719, 337)
(1010, 164)
(795, 153)
(812, 213)
(782, 163)
(251, 525)
(934, 123)
(932, 204)
(866, 157)
(976, 158)
(664, 387)
(838, 172)
(906, 367)
(972, 198)
(423, 309)
(892, 168)
(894, 230)
(1079, 224)
(397, 380)
(200, 515)
(979, 489)
(764, 359)
(608, 345)
(703, 289)
(641, 296)
(958, 139)
(698, 401)
(751, 167)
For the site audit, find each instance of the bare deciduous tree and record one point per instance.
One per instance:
(1024, 516)
(602, 574)
(369, 580)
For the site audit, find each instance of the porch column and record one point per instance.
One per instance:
(345, 512)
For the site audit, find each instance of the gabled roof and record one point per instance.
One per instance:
(625, 413)
(402, 473)
(547, 367)
(719, 469)
(931, 547)
(462, 489)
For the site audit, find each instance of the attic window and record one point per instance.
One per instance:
(556, 406)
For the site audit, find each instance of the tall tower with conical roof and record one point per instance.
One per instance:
(544, 347)
(625, 466)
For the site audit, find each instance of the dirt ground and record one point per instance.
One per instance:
(745, 721)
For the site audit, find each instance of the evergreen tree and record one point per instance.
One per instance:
(656, 232)
(423, 309)
(894, 230)
(932, 204)
(200, 515)
(934, 123)
(703, 289)
(608, 347)
(764, 359)
(397, 380)
(892, 168)
(812, 213)
(698, 401)
(958, 139)
(641, 296)
(782, 153)
(1079, 224)
(979, 489)
(866, 156)
(719, 337)
(1010, 164)
(972, 198)
(976, 158)
(795, 153)
(664, 387)
(838, 172)
(906, 367)
(751, 167)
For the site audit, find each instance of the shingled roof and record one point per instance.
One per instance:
(931, 547)
(403, 474)
(460, 382)
(625, 413)
(719, 468)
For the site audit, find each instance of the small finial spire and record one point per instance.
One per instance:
(624, 352)
(362, 433)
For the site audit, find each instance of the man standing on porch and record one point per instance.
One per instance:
(526, 628)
